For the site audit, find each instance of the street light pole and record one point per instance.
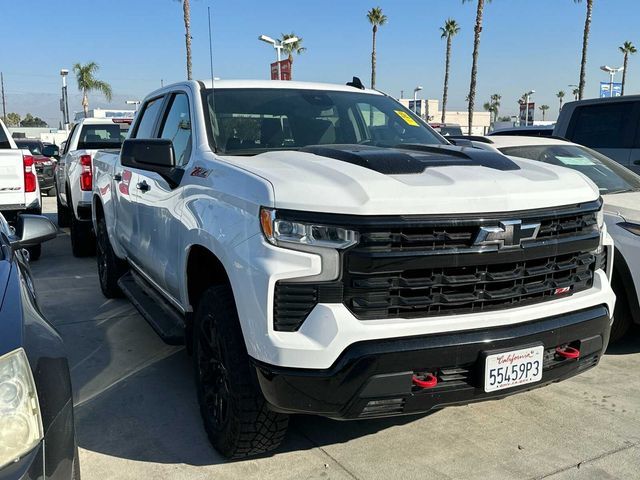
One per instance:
(65, 99)
(611, 71)
(278, 45)
(415, 98)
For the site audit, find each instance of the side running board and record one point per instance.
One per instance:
(164, 319)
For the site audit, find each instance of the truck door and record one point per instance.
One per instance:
(158, 212)
(126, 180)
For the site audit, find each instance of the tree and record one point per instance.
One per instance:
(560, 96)
(474, 64)
(377, 19)
(627, 49)
(13, 119)
(87, 82)
(543, 109)
(450, 29)
(489, 107)
(504, 118)
(293, 47)
(575, 92)
(31, 121)
(585, 43)
(186, 8)
(495, 101)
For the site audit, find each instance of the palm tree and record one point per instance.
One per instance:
(377, 19)
(450, 29)
(626, 48)
(87, 82)
(491, 108)
(560, 96)
(575, 92)
(543, 109)
(495, 101)
(585, 42)
(293, 47)
(476, 50)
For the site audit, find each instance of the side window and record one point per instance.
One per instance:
(147, 121)
(177, 127)
(603, 126)
(67, 143)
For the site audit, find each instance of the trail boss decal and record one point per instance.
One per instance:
(200, 172)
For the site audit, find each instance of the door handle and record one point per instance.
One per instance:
(143, 186)
(117, 177)
(636, 162)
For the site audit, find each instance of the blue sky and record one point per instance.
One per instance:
(526, 44)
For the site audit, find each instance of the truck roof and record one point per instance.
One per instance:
(280, 84)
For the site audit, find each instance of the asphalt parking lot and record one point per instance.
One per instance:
(137, 415)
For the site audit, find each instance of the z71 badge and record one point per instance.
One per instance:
(200, 172)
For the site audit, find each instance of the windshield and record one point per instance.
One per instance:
(604, 172)
(251, 121)
(103, 136)
(34, 147)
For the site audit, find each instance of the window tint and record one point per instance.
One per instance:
(177, 128)
(4, 141)
(603, 126)
(251, 121)
(148, 118)
(102, 136)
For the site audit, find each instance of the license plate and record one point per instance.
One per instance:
(513, 368)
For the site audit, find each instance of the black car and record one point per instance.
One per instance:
(44, 161)
(37, 435)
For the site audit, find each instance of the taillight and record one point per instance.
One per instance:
(86, 178)
(30, 179)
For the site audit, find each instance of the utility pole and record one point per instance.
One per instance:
(4, 105)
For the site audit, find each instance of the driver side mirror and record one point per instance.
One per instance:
(32, 230)
(154, 155)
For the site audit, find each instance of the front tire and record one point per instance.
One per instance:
(110, 267)
(236, 416)
(622, 319)
(64, 214)
(83, 240)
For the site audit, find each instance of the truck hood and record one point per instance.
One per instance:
(625, 205)
(354, 179)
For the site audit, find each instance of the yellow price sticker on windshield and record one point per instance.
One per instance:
(407, 118)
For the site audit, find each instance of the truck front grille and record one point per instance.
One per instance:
(407, 267)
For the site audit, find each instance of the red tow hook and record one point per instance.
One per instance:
(568, 352)
(427, 380)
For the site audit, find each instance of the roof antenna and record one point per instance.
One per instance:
(212, 101)
(356, 83)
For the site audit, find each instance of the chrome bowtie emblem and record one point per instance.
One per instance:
(510, 234)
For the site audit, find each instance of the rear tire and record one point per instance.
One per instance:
(110, 267)
(236, 416)
(64, 214)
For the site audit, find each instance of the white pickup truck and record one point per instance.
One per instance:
(73, 176)
(19, 189)
(321, 250)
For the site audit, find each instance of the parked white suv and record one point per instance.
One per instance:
(74, 179)
(321, 250)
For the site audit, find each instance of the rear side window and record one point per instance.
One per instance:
(102, 136)
(147, 122)
(604, 125)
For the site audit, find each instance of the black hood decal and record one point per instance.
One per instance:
(411, 159)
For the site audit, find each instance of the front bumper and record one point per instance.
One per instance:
(374, 378)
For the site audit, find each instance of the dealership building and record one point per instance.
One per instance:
(430, 111)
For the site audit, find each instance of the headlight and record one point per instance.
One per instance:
(278, 231)
(323, 240)
(20, 420)
(630, 227)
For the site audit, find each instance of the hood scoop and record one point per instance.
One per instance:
(410, 158)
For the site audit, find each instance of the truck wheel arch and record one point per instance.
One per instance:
(203, 270)
(624, 279)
